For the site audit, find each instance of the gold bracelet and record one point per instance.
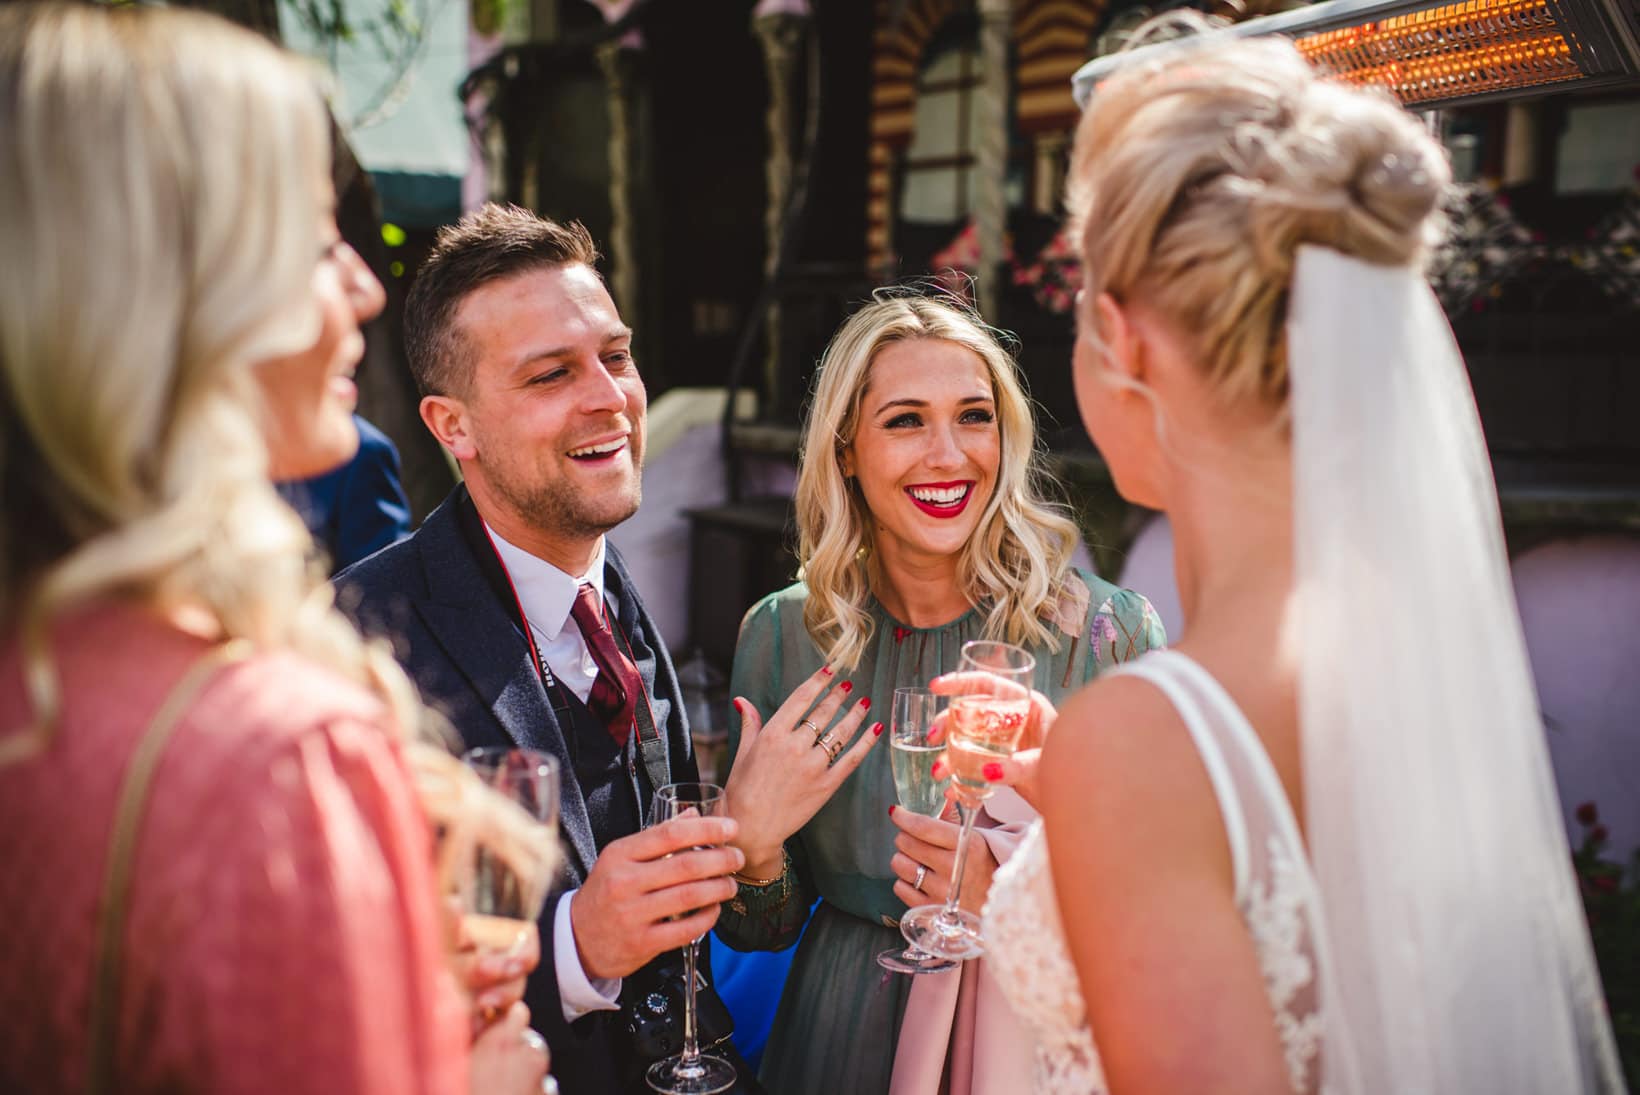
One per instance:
(765, 883)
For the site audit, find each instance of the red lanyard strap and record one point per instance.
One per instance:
(650, 746)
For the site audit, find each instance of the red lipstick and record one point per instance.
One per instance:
(934, 509)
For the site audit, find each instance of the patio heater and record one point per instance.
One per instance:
(1449, 54)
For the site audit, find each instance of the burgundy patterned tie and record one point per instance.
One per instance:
(615, 690)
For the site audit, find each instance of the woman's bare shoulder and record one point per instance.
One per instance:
(1120, 768)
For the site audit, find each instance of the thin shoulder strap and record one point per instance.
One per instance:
(1162, 669)
(1255, 760)
(107, 947)
(1244, 738)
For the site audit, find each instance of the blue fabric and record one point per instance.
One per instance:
(750, 984)
(359, 508)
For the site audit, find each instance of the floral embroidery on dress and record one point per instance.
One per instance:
(1106, 642)
(1115, 640)
(1032, 968)
(1070, 611)
(1274, 910)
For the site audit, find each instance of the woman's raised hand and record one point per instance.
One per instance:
(786, 768)
(494, 982)
(931, 843)
(1017, 771)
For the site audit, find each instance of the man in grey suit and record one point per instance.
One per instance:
(517, 619)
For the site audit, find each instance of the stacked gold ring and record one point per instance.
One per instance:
(815, 729)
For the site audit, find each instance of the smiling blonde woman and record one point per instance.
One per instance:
(923, 524)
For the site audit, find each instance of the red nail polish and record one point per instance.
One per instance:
(738, 709)
(891, 811)
(877, 731)
(825, 670)
(938, 767)
(992, 771)
(846, 685)
(865, 703)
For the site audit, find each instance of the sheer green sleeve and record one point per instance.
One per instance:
(1110, 626)
(1124, 627)
(766, 917)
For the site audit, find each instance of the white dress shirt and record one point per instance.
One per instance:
(546, 595)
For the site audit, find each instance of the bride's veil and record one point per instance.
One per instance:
(1460, 961)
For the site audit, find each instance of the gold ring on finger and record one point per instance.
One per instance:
(922, 873)
(813, 729)
(832, 748)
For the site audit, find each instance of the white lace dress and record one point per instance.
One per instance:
(1275, 891)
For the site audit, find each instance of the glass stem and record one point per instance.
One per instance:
(691, 1048)
(949, 913)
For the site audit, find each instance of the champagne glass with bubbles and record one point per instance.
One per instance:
(690, 1072)
(914, 739)
(984, 722)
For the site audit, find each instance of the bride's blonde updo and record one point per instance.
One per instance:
(1197, 174)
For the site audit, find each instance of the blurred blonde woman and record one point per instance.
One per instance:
(1314, 846)
(922, 523)
(218, 875)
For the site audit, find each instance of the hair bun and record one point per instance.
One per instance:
(1386, 172)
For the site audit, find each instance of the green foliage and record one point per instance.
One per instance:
(385, 23)
(325, 19)
(1611, 900)
(489, 16)
(392, 31)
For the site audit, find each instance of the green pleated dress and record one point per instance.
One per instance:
(839, 1018)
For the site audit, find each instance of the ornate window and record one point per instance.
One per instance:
(937, 181)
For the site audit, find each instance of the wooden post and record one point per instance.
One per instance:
(991, 208)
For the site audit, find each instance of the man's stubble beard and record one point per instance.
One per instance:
(556, 509)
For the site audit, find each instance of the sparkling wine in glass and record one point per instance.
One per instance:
(690, 1072)
(915, 713)
(505, 887)
(984, 722)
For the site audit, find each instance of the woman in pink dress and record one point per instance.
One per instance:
(217, 872)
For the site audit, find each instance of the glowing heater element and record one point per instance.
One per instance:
(1453, 51)
(1439, 54)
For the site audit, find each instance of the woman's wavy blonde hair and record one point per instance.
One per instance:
(161, 181)
(1018, 558)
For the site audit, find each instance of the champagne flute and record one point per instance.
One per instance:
(690, 1072)
(915, 742)
(504, 885)
(983, 724)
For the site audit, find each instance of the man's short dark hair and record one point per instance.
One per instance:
(492, 242)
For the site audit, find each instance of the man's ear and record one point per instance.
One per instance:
(1122, 341)
(446, 418)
